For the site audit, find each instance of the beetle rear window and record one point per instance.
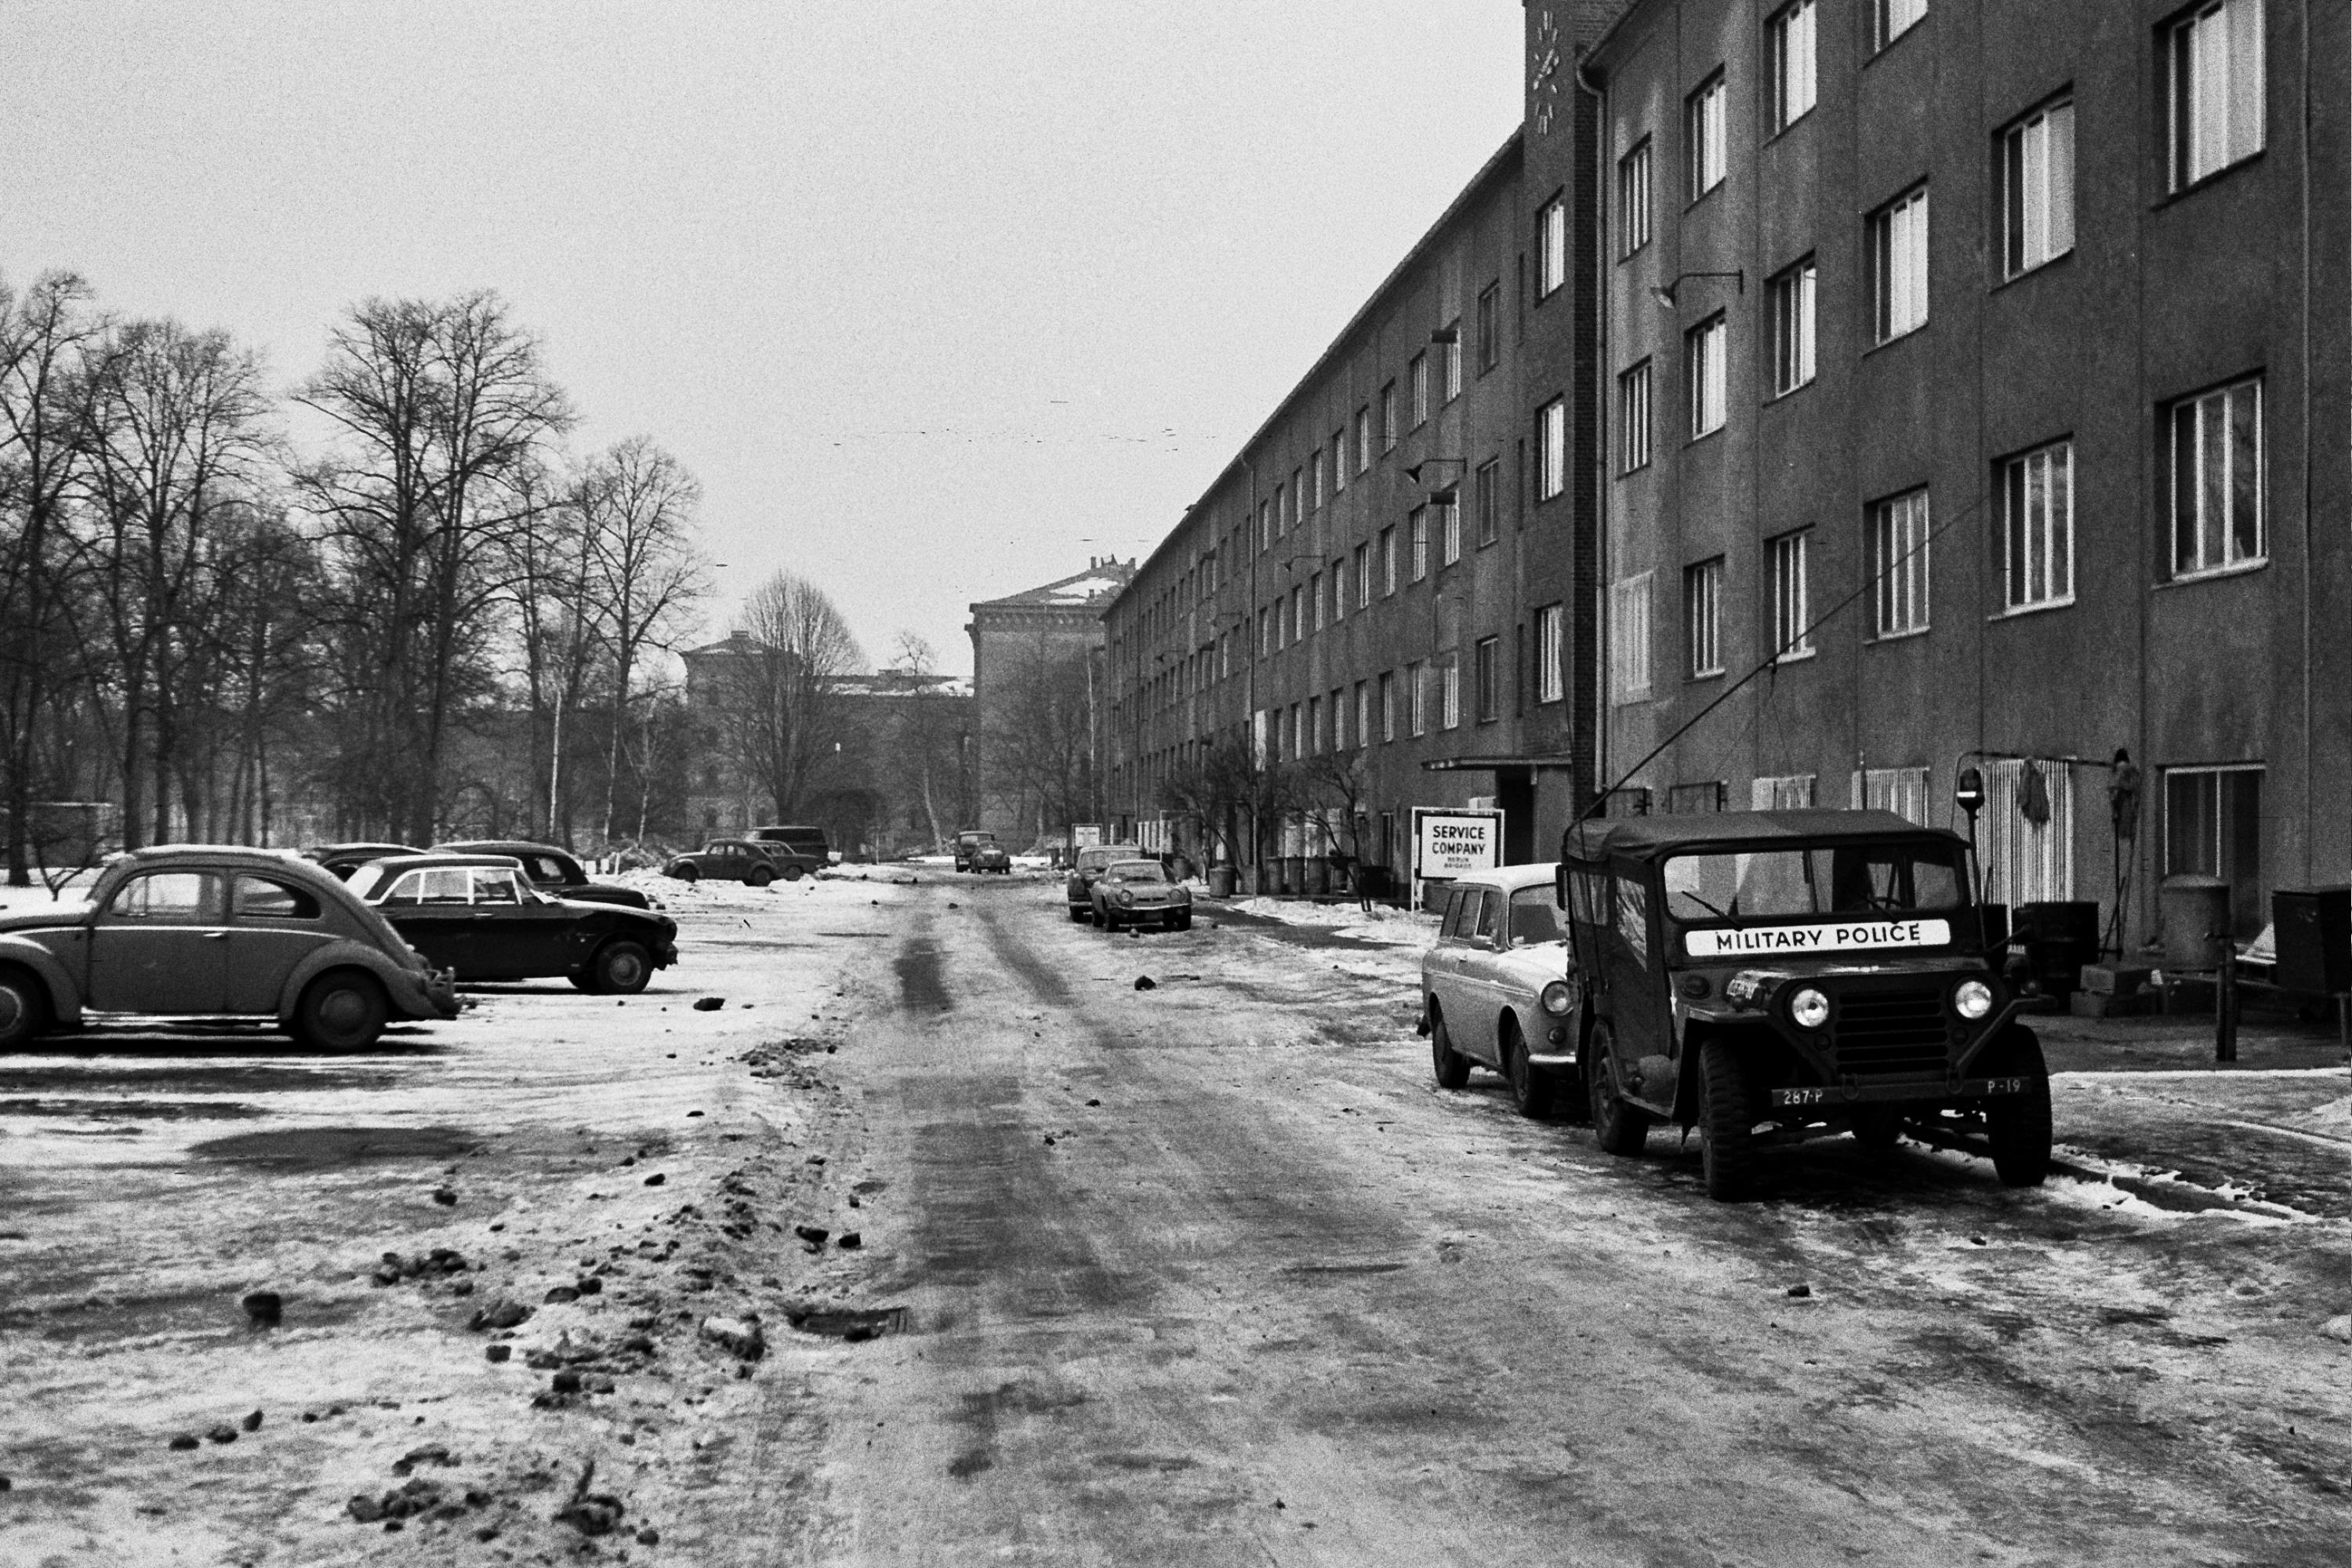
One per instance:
(264, 897)
(1845, 878)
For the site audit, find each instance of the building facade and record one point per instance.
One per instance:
(1035, 674)
(1976, 370)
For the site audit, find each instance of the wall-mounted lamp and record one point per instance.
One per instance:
(1413, 473)
(1665, 296)
(1446, 335)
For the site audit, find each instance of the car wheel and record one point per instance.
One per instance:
(2019, 1123)
(1617, 1127)
(1876, 1127)
(761, 877)
(1081, 913)
(622, 967)
(1451, 1067)
(1184, 920)
(24, 1008)
(792, 873)
(1530, 1086)
(342, 1010)
(689, 874)
(1726, 1125)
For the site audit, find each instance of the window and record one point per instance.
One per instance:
(1791, 612)
(2037, 533)
(1340, 590)
(1781, 792)
(1417, 527)
(1449, 358)
(1314, 481)
(2216, 66)
(1315, 592)
(1890, 19)
(2037, 189)
(1634, 418)
(2217, 480)
(1338, 460)
(1449, 529)
(1265, 525)
(1315, 725)
(1702, 126)
(1390, 430)
(1792, 307)
(1388, 707)
(1488, 490)
(1551, 625)
(1264, 633)
(264, 897)
(1788, 45)
(1363, 439)
(1898, 565)
(1415, 698)
(1488, 688)
(2213, 827)
(1629, 638)
(1633, 198)
(1490, 327)
(1417, 378)
(1551, 247)
(1363, 714)
(1903, 791)
(1299, 613)
(1705, 350)
(1363, 576)
(187, 898)
(1898, 267)
(1388, 560)
(1702, 617)
(1551, 448)
(1449, 692)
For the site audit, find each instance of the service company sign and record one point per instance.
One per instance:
(1450, 843)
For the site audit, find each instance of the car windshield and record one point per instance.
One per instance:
(1536, 918)
(1135, 871)
(1827, 879)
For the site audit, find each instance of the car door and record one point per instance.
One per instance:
(1444, 963)
(1478, 980)
(1637, 988)
(160, 944)
(520, 935)
(274, 924)
(432, 909)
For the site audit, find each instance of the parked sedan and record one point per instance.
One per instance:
(476, 915)
(1080, 888)
(742, 860)
(552, 871)
(1137, 892)
(1495, 988)
(343, 860)
(186, 932)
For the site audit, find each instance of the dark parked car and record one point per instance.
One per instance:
(733, 860)
(475, 914)
(185, 931)
(796, 851)
(1814, 972)
(1080, 889)
(974, 845)
(343, 860)
(552, 871)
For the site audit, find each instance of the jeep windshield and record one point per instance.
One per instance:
(1856, 879)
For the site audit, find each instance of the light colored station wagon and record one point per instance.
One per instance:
(1495, 988)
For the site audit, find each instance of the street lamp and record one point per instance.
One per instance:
(1413, 473)
(1665, 296)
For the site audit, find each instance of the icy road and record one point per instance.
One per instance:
(1204, 1273)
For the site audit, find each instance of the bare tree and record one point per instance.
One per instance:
(45, 333)
(931, 739)
(442, 411)
(642, 574)
(782, 706)
(1040, 742)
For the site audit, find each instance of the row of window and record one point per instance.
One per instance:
(2217, 525)
(1431, 692)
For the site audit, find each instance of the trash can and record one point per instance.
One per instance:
(1318, 874)
(1294, 874)
(2192, 908)
(1220, 882)
(2058, 938)
(2312, 928)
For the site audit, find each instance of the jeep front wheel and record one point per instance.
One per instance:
(1617, 1127)
(2019, 1124)
(1727, 1127)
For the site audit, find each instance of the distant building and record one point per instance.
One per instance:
(904, 759)
(1034, 664)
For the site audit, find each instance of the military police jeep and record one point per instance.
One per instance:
(1769, 977)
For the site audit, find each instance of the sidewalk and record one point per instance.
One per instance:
(2267, 1041)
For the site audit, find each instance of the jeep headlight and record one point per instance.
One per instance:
(1972, 999)
(1556, 999)
(1808, 1008)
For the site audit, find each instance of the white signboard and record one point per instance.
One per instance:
(1450, 842)
(1846, 937)
(1086, 836)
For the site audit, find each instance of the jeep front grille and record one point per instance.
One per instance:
(1891, 1032)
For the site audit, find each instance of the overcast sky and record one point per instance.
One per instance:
(936, 300)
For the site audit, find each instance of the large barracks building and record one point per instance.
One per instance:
(1907, 386)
